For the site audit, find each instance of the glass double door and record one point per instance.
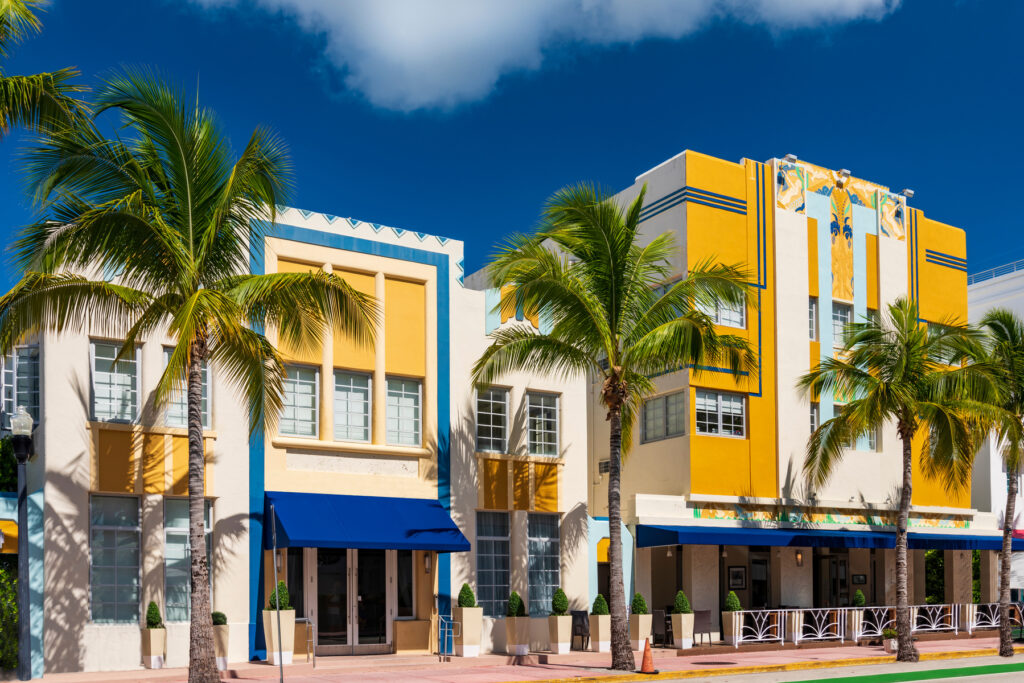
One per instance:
(349, 599)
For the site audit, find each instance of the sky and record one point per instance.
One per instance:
(460, 117)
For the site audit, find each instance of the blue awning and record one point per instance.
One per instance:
(318, 520)
(649, 535)
(924, 541)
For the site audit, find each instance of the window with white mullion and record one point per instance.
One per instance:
(726, 314)
(404, 412)
(114, 383)
(542, 423)
(20, 376)
(543, 563)
(300, 402)
(492, 562)
(177, 405)
(492, 420)
(812, 317)
(720, 413)
(815, 416)
(352, 400)
(178, 557)
(664, 416)
(114, 537)
(842, 316)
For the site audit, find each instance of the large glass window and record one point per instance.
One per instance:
(544, 562)
(492, 420)
(351, 406)
(177, 405)
(542, 423)
(178, 558)
(403, 412)
(842, 315)
(492, 562)
(405, 584)
(815, 416)
(812, 317)
(727, 315)
(665, 416)
(114, 559)
(295, 569)
(115, 388)
(20, 376)
(299, 416)
(720, 413)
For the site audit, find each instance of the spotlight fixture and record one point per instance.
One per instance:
(907, 192)
(799, 558)
(791, 158)
(844, 172)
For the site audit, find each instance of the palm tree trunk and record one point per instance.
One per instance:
(906, 651)
(1005, 562)
(202, 666)
(622, 651)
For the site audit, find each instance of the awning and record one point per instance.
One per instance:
(923, 541)
(649, 535)
(317, 520)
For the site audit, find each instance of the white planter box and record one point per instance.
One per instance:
(601, 632)
(682, 631)
(559, 634)
(639, 630)
(280, 645)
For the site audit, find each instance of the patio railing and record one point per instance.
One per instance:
(986, 615)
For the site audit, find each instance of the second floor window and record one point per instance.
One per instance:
(726, 314)
(812, 319)
(815, 416)
(842, 315)
(351, 406)
(542, 423)
(20, 383)
(177, 406)
(404, 415)
(664, 416)
(720, 413)
(492, 420)
(115, 391)
(300, 409)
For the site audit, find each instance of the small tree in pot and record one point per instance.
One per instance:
(517, 626)
(154, 639)
(600, 626)
(470, 620)
(731, 622)
(855, 616)
(559, 624)
(682, 622)
(639, 622)
(280, 643)
(220, 639)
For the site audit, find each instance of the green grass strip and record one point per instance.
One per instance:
(926, 675)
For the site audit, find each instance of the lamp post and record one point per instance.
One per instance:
(21, 429)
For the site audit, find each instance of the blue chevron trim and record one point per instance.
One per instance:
(330, 217)
(421, 235)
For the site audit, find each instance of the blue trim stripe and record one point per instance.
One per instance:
(696, 196)
(959, 260)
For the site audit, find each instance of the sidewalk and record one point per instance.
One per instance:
(577, 666)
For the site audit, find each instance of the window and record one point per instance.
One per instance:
(492, 562)
(842, 315)
(177, 406)
(873, 439)
(403, 418)
(296, 580)
(726, 314)
(114, 559)
(815, 416)
(115, 391)
(812, 317)
(542, 423)
(720, 413)
(20, 383)
(178, 558)
(405, 584)
(542, 532)
(604, 466)
(492, 420)
(664, 416)
(300, 408)
(351, 406)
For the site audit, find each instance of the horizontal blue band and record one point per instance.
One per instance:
(951, 257)
(946, 264)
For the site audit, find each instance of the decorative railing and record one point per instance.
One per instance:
(828, 623)
(754, 626)
(986, 615)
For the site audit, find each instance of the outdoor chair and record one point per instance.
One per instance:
(658, 630)
(702, 624)
(581, 628)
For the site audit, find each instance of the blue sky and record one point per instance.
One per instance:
(461, 124)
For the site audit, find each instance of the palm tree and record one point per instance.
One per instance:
(894, 369)
(616, 314)
(1003, 352)
(173, 212)
(38, 101)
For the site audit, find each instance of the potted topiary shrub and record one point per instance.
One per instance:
(731, 624)
(855, 616)
(682, 622)
(559, 624)
(600, 626)
(517, 626)
(280, 643)
(220, 639)
(154, 639)
(470, 620)
(639, 622)
(889, 636)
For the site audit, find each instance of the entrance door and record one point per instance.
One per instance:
(760, 583)
(350, 591)
(371, 601)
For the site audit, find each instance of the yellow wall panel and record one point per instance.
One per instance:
(307, 355)
(872, 266)
(931, 492)
(942, 289)
(521, 485)
(545, 491)
(602, 549)
(115, 461)
(179, 465)
(349, 352)
(153, 466)
(9, 530)
(495, 483)
(812, 255)
(405, 328)
(715, 175)
(720, 466)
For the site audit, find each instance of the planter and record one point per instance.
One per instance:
(467, 638)
(279, 645)
(731, 625)
(854, 623)
(795, 625)
(601, 632)
(154, 647)
(682, 631)
(639, 630)
(220, 642)
(559, 634)
(890, 645)
(517, 636)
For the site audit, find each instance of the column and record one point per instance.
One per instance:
(642, 576)
(700, 579)
(989, 576)
(958, 576)
(915, 581)
(519, 555)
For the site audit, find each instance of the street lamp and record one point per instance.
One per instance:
(21, 429)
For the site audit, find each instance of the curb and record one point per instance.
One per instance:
(767, 668)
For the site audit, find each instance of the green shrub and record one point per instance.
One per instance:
(858, 598)
(220, 619)
(639, 605)
(8, 468)
(280, 596)
(153, 619)
(466, 597)
(559, 603)
(515, 607)
(8, 618)
(682, 604)
(732, 602)
(889, 633)
(600, 607)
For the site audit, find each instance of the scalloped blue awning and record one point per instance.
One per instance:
(320, 520)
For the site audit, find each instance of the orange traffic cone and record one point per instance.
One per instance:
(647, 667)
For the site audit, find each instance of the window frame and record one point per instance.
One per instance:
(812, 317)
(646, 437)
(504, 427)
(10, 366)
(137, 360)
(369, 404)
(720, 319)
(419, 411)
(137, 529)
(498, 603)
(412, 579)
(718, 406)
(815, 416)
(316, 402)
(208, 524)
(557, 431)
(207, 414)
(837, 339)
(543, 604)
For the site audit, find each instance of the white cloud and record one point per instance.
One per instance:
(415, 54)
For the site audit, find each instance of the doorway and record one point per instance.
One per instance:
(832, 580)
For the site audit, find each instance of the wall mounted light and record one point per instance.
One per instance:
(799, 558)
(907, 192)
(791, 158)
(426, 563)
(279, 561)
